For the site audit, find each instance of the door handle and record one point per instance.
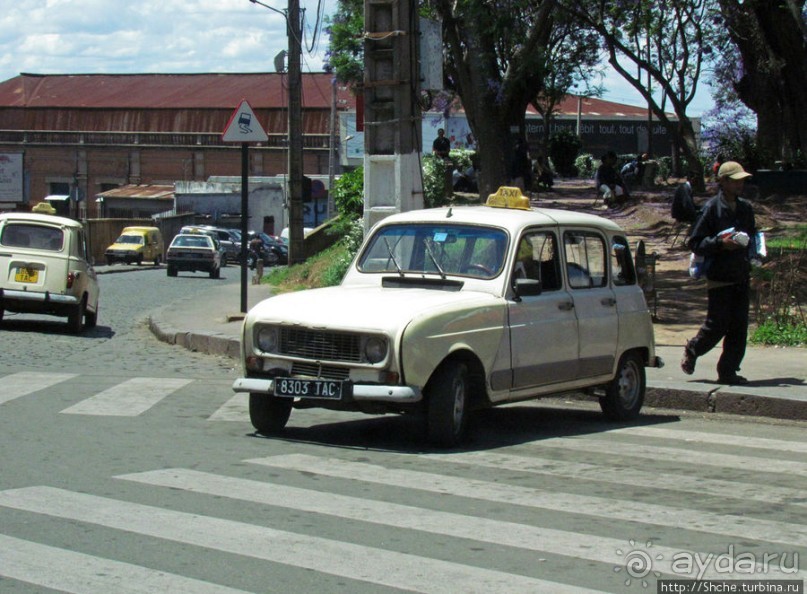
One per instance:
(566, 306)
(608, 301)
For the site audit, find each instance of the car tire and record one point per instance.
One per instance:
(624, 395)
(269, 414)
(172, 270)
(91, 318)
(75, 319)
(447, 405)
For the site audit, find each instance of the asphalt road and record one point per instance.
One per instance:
(128, 465)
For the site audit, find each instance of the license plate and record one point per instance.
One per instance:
(308, 388)
(26, 275)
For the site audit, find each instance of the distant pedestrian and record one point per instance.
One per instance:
(441, 145)
(608, 181)
(722, 235)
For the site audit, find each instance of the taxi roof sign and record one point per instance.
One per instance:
(508, 197)
(244, 126)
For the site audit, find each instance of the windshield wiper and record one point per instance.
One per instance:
(434, 260)
(392, 257)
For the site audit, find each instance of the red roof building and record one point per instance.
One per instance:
(83, 134)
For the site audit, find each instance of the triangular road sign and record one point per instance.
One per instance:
(244, 126)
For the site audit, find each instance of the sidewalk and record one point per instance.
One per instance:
(210, 322)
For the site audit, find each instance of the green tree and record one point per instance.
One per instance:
(765, 64)
(658, 46)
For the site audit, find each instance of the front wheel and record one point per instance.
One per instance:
(447, 408)
(624, 395)
(269, 414)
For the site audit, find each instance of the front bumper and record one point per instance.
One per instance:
(358, 392)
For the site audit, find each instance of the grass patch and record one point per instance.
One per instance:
(795, 238)
(775, 334)
(323, 270)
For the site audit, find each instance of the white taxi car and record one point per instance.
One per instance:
(451, 309)
(46, 267)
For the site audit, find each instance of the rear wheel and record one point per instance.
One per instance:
(269, 414)
(75, 319)
(447, 412)
(624, 395)
(91, 318)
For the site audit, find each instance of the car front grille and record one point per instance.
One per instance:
(320, 345)
(320, 371)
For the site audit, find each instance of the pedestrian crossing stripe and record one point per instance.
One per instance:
(629, 475)
(741, 527)
(691, 437)
(534, 538)
(675, 455)
(347, 560)
(128, 399)
(22, 384)
(68, 571)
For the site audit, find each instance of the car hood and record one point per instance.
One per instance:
(362, 308)
(126, 246)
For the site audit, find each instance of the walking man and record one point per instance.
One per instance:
(728, 267)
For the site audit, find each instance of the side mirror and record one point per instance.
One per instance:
(527, 287)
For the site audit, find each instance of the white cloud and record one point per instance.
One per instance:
(169, 36)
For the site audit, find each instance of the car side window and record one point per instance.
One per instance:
(537, 258)
(585, 259)
(621, 263)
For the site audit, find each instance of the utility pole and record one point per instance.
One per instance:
(295, 141)
(392, 143)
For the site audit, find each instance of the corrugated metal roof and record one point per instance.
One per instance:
(150, 191)
(167, 91)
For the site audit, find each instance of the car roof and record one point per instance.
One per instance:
(31, 217)
(507, 218)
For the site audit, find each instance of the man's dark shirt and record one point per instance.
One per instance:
(732, 266)
(441, 146)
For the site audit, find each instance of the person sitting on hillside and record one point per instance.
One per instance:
(683, 208)
(608, 181)
(633, 171)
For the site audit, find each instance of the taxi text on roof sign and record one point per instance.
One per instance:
(508, 197)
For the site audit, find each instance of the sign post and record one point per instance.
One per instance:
(244, 127)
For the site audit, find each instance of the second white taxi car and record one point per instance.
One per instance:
(451, 309)
(46, 268)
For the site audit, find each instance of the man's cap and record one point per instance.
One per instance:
(733, 170)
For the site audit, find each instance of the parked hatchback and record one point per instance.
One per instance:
(46, 268)
(447, 310)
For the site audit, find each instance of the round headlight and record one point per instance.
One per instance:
(267, 339)
(375, 349)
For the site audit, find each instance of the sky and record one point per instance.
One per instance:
(178, 36)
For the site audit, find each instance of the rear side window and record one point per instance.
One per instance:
(40, 237)
(586, 259)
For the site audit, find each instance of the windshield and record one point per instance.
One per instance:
(133, 239)
(436, 249)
